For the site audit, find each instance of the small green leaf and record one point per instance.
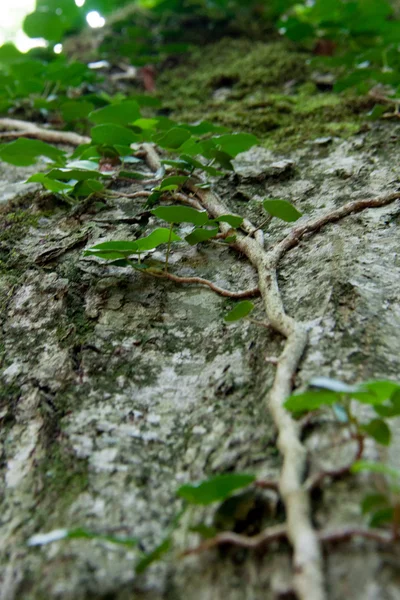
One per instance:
(375, 467)
(310, 400)
(200, 235)
(381, 517)
(235, 143)
(373, 501)
(50, 184)
(196, 164)
(281, 209)
(73, 110)
(181, 214)
(159, 236)
(153, 556)
(379, 430)
(232, 220)
(241, 310)
(24, 152)
(87, 187)
(174, 180)
(122, 113)
(113, 134)
(173, 139)
(214, 489)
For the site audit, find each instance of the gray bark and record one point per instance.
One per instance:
(117, 388)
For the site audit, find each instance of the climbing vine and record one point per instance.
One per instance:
(177, 165)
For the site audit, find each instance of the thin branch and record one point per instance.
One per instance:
(279, 533)
(272, 534)
(31, 130)
(141, 194)
(313, 226)
(199, 280)
(308, 577)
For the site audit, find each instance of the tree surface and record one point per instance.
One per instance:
(119, 387)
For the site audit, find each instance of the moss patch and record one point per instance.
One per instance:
(260, 87)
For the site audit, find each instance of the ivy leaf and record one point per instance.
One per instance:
(241, 310)
(372, 501)
(159, 236)
(281, 209)
(121, 113)
(235, 143)
(24, 152)
(232, 220)
(46, 25)
(310, 400)
(174, 180)
(173, 139)
(196, 164)
(75, 109)
(382, 516)
(113, 134)
(50, 184)
(181, 214)
(379, 430)
(200, 235)
(87, 187)
(214, 489)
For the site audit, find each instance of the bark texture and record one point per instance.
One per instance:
(117, 388)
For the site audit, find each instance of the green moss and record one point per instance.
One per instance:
(260, 87)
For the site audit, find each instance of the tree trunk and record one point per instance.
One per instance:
(117, 388)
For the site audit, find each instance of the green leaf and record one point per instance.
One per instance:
(310, 400)
(372, 501)
(174, 180)
(173, 139)
(214, 489)
(200, 235)
(24, 152)
(241, 310)
(375, 467)
(87, 187)
(232, 220)
(153, 556)
(126, 248)
(381, 517)
(46, 25)
(159, 236)
(181, 214)
(235, 143)
(113, 134)
(379, 430)
(199, 165)
(281, 209)
(50, 184)
(75, 109)
(122, 113)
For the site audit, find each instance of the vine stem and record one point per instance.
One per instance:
(308, 576)
(200, 280)
(27, 129)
